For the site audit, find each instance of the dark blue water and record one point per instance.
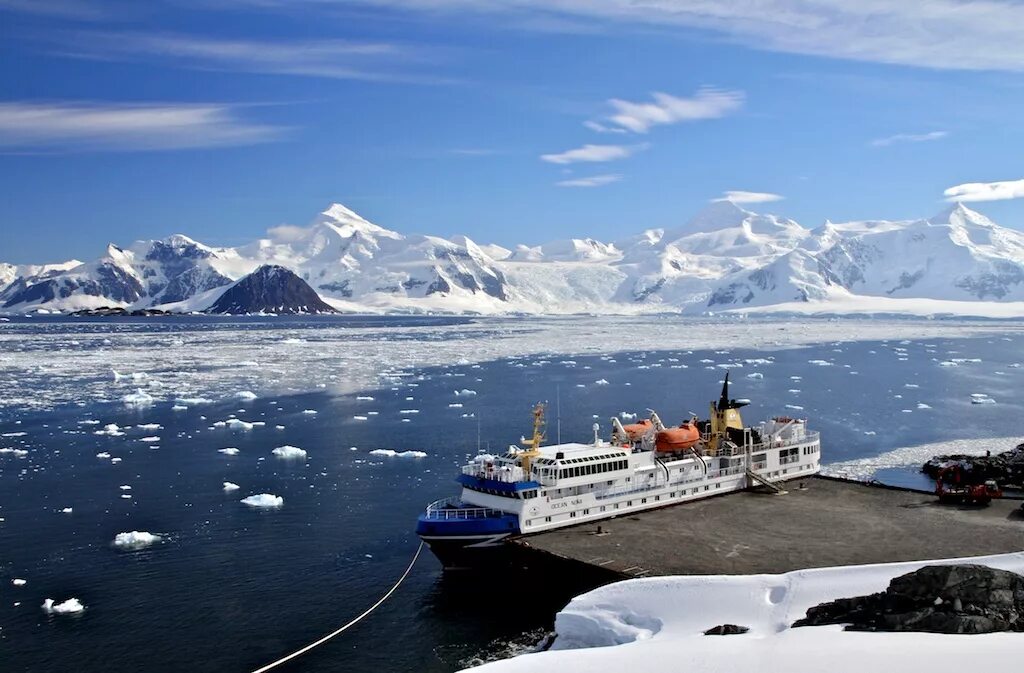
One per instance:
(231, 588)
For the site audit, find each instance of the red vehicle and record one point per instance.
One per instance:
(952, 487)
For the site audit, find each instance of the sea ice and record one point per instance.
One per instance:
(229, 451)
(18, 582)
(263, 500)
(140, 398)
(70, 606)
(391, 453)
(601, 382)
(228, 486)
(245, 395)
(290, 452)
(309, 412)
(136, 539)
(755, 375)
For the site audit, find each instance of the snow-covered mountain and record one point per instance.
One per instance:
(724, 258)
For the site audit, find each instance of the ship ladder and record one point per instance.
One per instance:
(776, 487)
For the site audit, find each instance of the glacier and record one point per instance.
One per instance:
(724, 259)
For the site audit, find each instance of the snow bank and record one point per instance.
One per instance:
(391, 453)
(290, 452)
(263, 500)
(656, 625)
(70, 606)
(136, 539)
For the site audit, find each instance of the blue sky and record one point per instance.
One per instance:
(510, 121)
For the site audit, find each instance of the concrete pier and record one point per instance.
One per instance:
(827, 522)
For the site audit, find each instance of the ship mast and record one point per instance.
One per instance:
(533, 443)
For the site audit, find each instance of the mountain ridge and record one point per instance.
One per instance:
(723, 258)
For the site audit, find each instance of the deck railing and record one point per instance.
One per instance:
(451, 508)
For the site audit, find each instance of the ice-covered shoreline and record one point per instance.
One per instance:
(51, 364)
(656, 625)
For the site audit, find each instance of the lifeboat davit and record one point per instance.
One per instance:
(671, 440)
(636, 431)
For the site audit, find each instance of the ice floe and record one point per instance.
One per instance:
(263, 500)
(914, 456)
(229, 486)
(228, 451)
(136, 539)
(68, 607)
(245, 395)
(391, 453)
(290, 452)
(140, 398)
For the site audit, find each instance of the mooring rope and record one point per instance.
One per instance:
(355, 621)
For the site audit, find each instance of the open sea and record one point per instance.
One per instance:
(231, 587)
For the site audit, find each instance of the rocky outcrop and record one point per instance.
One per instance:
(936, 599)
(1007, 468)
(270, 289)
(726, 630)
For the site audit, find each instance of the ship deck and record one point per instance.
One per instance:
(828, 522)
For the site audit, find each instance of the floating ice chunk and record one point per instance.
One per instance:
(136, 539)
(820, 363)
(359, 418)
(911, 385)
(981, 398)
(948, 363)
(67, 510)
(365, 398)
(237, 424)
(126, 496)
(245, 395)
(149, 440)
(17, 453)
(290, 452)
(966, 360)
(455, 405)
(140, 398)
(263, 500)
(922, 405)
(391, 453)
(755, 375)
(149, 426)
(795, 407)
(179, 407)
(465, 392)
(110, 429)
(601, 382)
(125, 487)
(115, 460)
(103, 455)
(193, 400)
(228, 486)
(18, 582)
(409, 411)
(310, 412)
(229, 451)
(626, 416)
(13, 434)
(70, 606)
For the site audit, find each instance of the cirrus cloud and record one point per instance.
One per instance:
(908, 138)
(737, 196)
(127, 127)
(591, 181)
(707, 103)
(986, 191)
(593, 153)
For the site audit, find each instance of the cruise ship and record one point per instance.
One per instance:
(645, 465)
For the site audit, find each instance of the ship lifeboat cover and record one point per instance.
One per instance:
(677, 439)
(636, 431)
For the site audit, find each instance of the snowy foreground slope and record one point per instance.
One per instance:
(656, 625)
(724, 259)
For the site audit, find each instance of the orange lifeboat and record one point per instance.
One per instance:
(636, 431)
(671, 440)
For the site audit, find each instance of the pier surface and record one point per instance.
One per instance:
(826, 523)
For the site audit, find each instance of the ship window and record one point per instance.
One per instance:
(547, 518)
(643, 500)
(586, 511)
(572, 515)
(629, 503)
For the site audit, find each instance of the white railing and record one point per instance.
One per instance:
(496, 473)
(451, 508)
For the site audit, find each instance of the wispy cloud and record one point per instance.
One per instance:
(333, 58)
(950, 34)
(67, 9)
(908, 138)
(749, 197)
(127, 127)
(598, 127)
(593, 153)
(708, 103)
(592, 181)
(986, 191)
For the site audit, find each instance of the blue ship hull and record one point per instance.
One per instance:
(466, 542)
